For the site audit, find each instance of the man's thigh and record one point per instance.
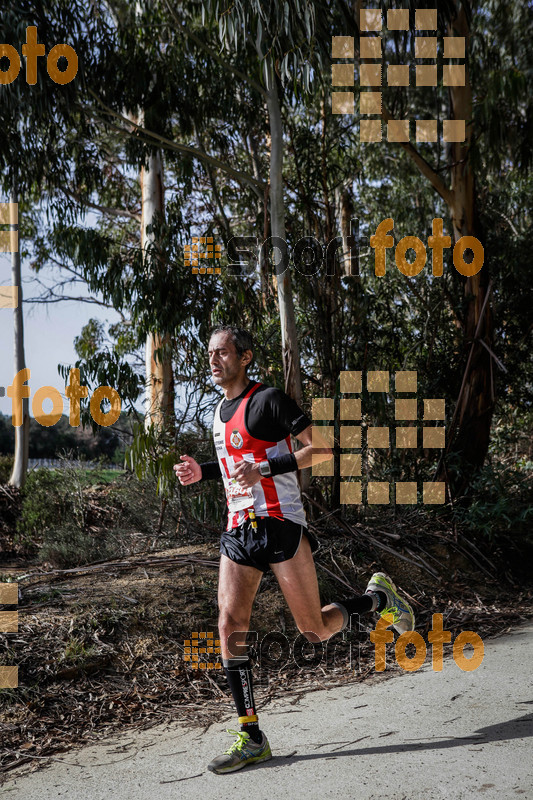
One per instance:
(237, 587)
(299, 584)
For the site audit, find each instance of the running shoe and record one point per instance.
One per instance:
(242, 752)
(398, 611)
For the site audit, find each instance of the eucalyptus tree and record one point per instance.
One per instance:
(148, 64)
(37, 122)
(283, 38)
(495, 69)
(159, 410)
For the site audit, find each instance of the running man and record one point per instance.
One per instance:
(267, 528)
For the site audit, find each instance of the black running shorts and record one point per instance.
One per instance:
(273, 541)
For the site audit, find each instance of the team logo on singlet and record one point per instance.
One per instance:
(236, 439)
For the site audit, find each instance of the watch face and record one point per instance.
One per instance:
(264, 469)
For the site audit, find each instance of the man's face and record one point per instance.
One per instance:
(226, 365)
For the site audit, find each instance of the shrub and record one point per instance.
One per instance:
(54, 512)
(70, 546)
(6, 466)
(502, 500)
(48, 502)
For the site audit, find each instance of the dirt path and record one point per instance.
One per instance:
(426, 735)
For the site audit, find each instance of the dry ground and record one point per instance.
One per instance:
(100, 648)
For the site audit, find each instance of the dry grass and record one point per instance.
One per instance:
(101, 648)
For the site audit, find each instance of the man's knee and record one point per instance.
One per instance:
(229, 621)
(232, 629)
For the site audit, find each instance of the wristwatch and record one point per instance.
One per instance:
(264, 469)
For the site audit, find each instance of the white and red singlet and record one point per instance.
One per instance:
(277, 496)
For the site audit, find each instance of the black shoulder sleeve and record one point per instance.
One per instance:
(272, 415)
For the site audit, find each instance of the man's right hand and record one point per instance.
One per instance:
(189, 471)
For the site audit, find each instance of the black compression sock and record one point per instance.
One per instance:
(253, 731)
(382, 600)
(371, 601)
(239, 674)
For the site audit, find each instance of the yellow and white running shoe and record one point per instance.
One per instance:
(397, 609)
(242, 752)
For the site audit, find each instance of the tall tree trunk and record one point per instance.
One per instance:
(477, 401)
(262, 209)
(159, 375)
(22, 433)
(289, 338)
(328, 291)
(345, 214)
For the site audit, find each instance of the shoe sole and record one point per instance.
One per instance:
(395, 590)
(240, 765)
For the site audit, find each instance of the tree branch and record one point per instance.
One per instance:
(163, 142)
(113, 212)
(425, 168)
(216, 57)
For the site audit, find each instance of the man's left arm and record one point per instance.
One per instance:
(315, 449)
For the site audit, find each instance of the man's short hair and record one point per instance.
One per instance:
(241, 339)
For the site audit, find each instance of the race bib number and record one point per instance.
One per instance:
(239, 497)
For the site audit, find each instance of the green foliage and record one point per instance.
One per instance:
(499, 504)
(76, 651)
(44, 118)
(90, 340)
(165, 58)
(48, 501)
(48, 442)
(130, 505)
(207, 504)
(6, 466)
(152, 458)
(54, 518)
(502, 501)
(149, 455)
(70, 546)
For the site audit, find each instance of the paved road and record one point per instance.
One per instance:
(419, 736)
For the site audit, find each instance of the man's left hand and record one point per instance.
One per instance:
(246, 473)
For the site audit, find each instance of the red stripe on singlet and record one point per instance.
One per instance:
(267, 484)
(232, 520)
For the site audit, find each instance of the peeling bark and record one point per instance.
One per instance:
(22, 433)
(159, 375)
(476, 405)
(289, 338)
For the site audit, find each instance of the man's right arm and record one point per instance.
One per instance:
(190, 471)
